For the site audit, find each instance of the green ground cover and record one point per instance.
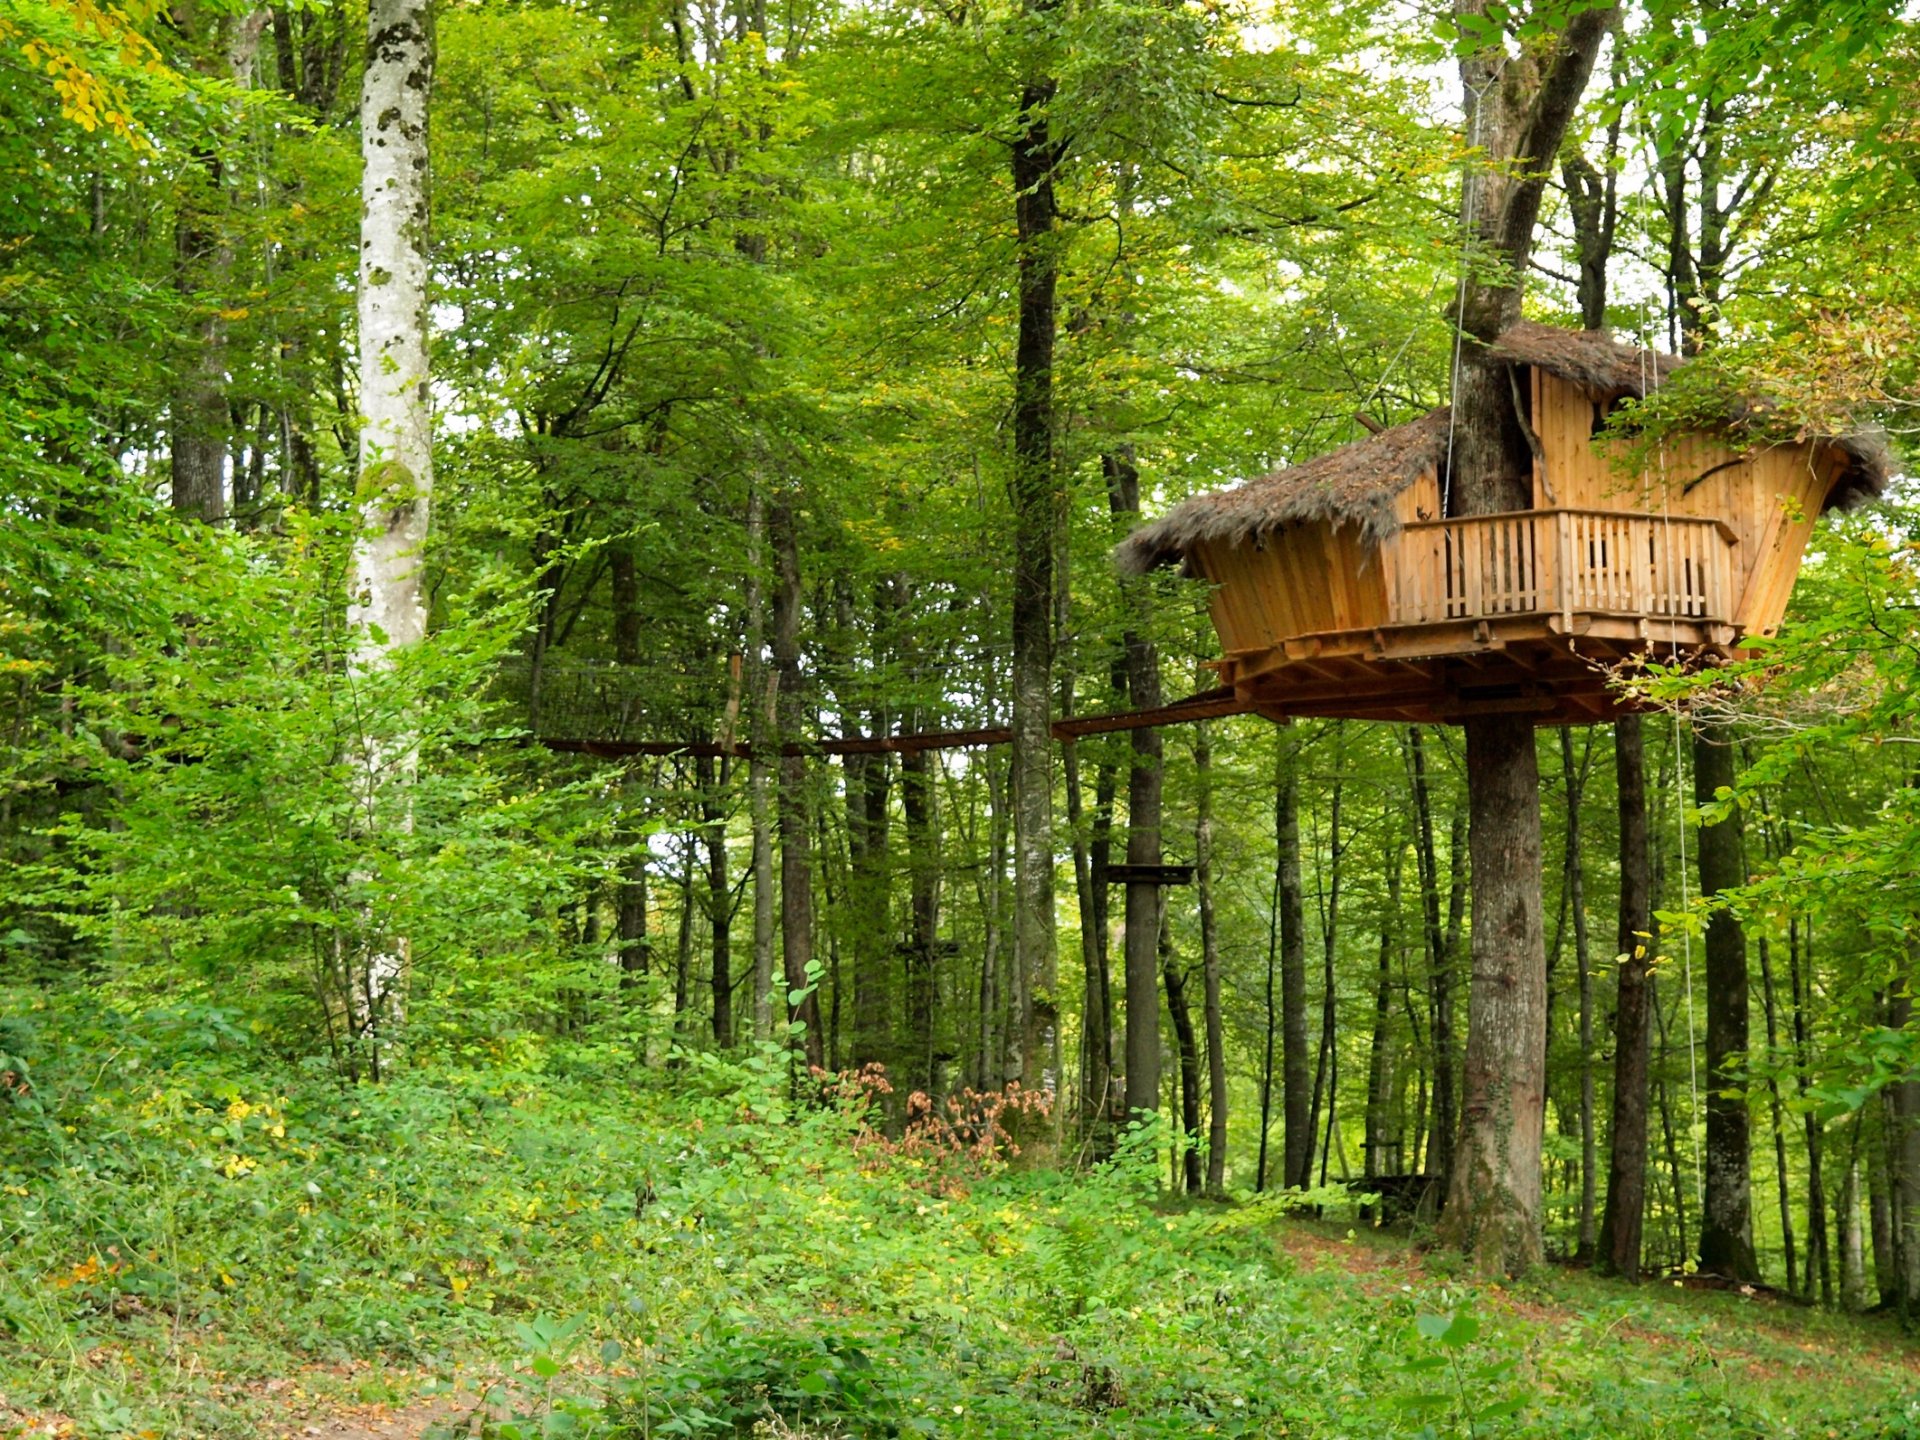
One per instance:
(191, 1233)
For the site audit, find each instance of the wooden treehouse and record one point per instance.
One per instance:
(1341, 588)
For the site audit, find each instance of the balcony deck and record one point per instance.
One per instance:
(1528, 611)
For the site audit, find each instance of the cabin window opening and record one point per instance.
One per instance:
(1604, 412)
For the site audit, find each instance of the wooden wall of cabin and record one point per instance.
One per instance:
(1768, 497)
(1306, 579)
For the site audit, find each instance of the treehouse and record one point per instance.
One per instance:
(1340, 586)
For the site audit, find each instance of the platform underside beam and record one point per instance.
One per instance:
(1563, 670)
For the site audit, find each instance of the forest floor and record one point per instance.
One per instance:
(206, 1247)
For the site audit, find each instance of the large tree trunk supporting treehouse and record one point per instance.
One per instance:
(1726, 1218)
(763, 684)
(385, 608)
(1622, 1222)
(1144, 898)
(1493, 1197)
(1296, 1069)
(1518, 102)
(1037, 511)
(1210, 967)
(796, 837)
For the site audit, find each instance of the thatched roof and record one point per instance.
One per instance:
(1354, 485)
(1589, 358)
(1358, 483)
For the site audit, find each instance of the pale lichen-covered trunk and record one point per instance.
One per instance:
(395, 482)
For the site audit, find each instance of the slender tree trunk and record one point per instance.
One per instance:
(1903, 1154)
(1038, 510)
(1778, 1113)
(796, 858)
(1182, 1015)
(919, 799)
(1853, 1255)
(1817, 1252)
(1210, 966)
(1886, 1263)
(1576, 890)
(1726, 1222)
(1383, 1142)
(385, 607)
(719, 899)
(1144, 898)
(1326, 1075)
(1272, 998)
(1439, 956)
(763, 683)
(630, 909)
(1622, 1225)
(992, 1060)
(201, 410)
(1296, 1075)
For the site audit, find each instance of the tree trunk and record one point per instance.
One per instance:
(1886, 1262)
(385, 608)
(992, 1060)
(1440, 948)
(1853, 1257)
(763, 686)
(1903, 1155)
(1296, 1078)
(1144, 898)
(1210, 966)
(1182, 1015)
(919, 800)
(796, 838)
(1493, 1197)
(1326, 1074)
(1817, 1250)
(1037, 509)
(719, 898)
(1621, 1226)
(1726, 1221)
(1778, 1114)
(201, 411)
(1576, 892)
(1518, 103)
(1383, 1140)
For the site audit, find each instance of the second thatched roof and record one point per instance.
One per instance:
(1358, 483)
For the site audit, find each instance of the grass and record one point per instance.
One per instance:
(197, 1242)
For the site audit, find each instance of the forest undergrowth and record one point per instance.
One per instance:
(198, 1241)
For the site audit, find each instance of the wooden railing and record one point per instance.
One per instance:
(1560, 561)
